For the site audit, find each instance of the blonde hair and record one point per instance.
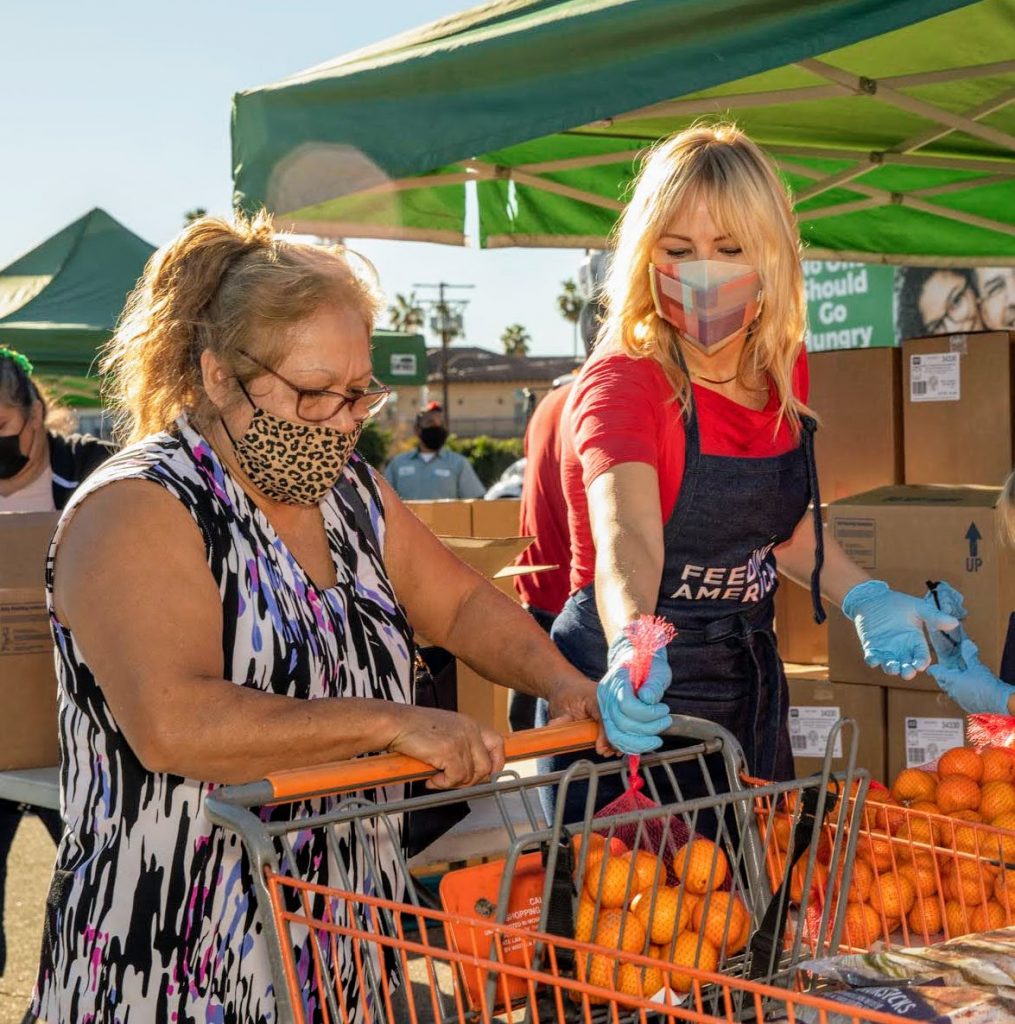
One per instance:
(720, 165)
(1008, 510)
(221, 287)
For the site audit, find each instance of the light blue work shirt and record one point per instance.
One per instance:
(446, 475)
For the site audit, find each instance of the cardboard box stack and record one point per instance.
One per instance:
(913, 446)
(957, 397)
(857, 396)
(817, 704)
(28, 735)
(958, 408)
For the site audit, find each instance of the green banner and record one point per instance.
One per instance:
(864, 305)
(849, 305)
(399, 359)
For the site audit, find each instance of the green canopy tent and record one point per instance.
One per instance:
(893, 121)
(60, 302)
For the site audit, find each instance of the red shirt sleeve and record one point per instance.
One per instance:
(615, 415)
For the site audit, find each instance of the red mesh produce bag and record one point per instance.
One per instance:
(991, 731)
(648, 634)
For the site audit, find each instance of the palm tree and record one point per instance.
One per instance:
(196, 214)
(515, 340)
(570, 303)
(406, 314)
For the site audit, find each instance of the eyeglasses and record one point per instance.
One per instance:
(315, 405)
(960, 310)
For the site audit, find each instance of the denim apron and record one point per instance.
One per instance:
(717, 588)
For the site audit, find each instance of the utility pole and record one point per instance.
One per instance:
(447, 322)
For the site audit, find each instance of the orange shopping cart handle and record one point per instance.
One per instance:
(387, 769)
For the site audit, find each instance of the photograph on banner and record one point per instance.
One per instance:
(862, 305)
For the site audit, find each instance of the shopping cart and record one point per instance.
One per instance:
(570, 924)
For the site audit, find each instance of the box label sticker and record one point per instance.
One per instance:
(859, 539)
(810, 727)
(928, 738)
(935, 377)
(24, 627)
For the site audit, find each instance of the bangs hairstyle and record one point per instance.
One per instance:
(222, 287)
(748, 201)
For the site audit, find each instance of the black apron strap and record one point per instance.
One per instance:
(767, 712)
(809, 427)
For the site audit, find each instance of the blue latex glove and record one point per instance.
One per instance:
(975, 689)
(634, 723)
(891, 625)
(946, 645)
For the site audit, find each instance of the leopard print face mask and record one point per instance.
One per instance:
(295, 463)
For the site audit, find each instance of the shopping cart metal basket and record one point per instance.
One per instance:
(918, 877)
(571, 923)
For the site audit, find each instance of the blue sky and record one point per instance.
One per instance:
(126, 106)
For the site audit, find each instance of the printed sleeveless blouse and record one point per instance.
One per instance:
(151, 914)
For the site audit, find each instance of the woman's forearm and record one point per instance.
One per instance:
(627, 582)
(839, 573)
(277, 731)
(626, 522)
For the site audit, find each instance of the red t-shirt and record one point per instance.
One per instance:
(544, 512)
(622, 410)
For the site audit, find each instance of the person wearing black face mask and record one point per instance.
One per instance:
(39, 470)
(40, 466)
(432, 472)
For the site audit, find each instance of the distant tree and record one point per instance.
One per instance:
(515, 340)
(570, 303)
(374, 444)
(406, 314)
(196, 214)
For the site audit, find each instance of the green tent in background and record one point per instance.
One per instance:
(893, 120)
(60, 302)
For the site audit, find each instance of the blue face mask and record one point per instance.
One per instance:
(12, 460)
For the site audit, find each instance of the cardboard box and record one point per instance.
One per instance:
(909, 535)
(958, 409)
(816, 704)
(857, 395)
(483, 700)
(801, 639)
(479, 518)
(921, 727)
(496, 518)
(445, 518)
(28, 687)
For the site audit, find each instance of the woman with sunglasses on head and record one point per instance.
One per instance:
(688, 466)
(233, 594)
